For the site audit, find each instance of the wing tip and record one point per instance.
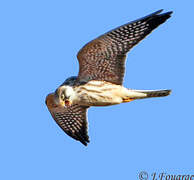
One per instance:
(159, 12)
(156, 19)
(166, 14)
(84, 141)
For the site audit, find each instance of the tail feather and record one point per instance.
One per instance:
(154, 93)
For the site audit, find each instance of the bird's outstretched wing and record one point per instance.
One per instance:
(72, 120)
(104, 57)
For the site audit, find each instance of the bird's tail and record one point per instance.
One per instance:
(141, 94)
(154, 93)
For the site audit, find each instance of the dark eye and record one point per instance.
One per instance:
(62, 96)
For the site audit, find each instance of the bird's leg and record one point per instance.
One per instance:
(127, 100)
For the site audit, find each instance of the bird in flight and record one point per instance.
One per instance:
(100, 78)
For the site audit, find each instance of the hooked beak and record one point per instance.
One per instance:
(66, 103)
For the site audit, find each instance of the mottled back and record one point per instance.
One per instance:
(104, 57)
(72, 120)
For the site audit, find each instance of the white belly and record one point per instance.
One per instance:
(100, 93)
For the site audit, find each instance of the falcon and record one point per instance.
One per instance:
(100, 78)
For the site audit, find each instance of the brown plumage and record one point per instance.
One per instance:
(100, 78)
(104, 57)
(71, 119)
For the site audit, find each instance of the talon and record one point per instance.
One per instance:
(127, 100)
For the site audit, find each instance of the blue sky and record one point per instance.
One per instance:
(39, 41)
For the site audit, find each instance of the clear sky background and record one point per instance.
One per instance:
(39, 41)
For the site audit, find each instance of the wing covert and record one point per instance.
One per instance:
(104, 57)
(72, 120)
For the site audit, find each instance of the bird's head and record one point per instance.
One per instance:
(65, 95)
